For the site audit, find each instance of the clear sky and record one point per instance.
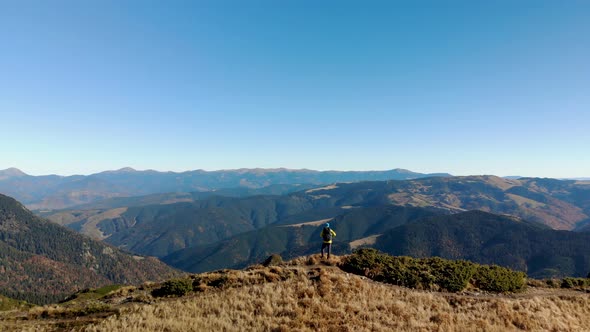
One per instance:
(466, 87)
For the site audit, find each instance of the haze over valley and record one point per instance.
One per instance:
(279, 210)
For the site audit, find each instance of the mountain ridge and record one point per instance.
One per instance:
(159, 230)
(291, 240)
(41, 261)
(11, 172)
(50, 192)
(128, 169)
(477, 236)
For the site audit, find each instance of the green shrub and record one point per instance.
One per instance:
(499, 279)
(575, 282)
(175, 287)
(402, 271)
(361, 260)
(454, 276)
(432, 273)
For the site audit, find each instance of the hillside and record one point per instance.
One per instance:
(58, 192)
(41, 261)
(292, 240)
(11, 173)
(95, 219)
(178, 197)
(559, 204)
(299, 296)
(161, 229)
(158, 231)
(584, 228)
(475, 235)
(492, 239)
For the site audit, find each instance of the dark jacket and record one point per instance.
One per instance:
(326, 229)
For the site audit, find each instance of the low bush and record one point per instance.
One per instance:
(175, 287)
(575, 283)
(453, 276)
(498, 279)
(553, 283)
(432, 273)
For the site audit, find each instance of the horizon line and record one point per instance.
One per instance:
(277, 169)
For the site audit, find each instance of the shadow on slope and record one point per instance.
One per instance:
(40, 261)
(293, 240)
(493, 239)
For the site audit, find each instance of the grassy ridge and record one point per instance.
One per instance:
(304, 294)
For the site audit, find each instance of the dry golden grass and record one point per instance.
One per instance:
(364, 241)
(523, 200)
(310, 294)
(322, 298)
(90, 227)
(309, 223)
(330, 187)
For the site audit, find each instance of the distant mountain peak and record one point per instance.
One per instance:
(11, 173)
(51, 192)
(123, 170)
(402, 170)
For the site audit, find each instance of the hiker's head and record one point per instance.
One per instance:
(328, 225)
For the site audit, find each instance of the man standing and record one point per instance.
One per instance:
(327, 235)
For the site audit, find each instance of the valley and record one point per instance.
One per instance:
(528, 224)
(175, 166)
(239, 229)
(50, 192)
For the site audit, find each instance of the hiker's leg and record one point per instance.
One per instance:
(329, 249)
(322, 251)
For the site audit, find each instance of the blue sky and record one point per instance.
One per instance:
(466, 87)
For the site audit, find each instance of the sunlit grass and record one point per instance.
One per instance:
(309, 294)
(326, 299)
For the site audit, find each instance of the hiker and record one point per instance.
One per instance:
(327, 235)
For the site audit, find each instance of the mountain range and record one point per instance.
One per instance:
(212, 231)
(201, 218)
(292, 240)
(231, 227)
(57, 192)
(42, 262)
(477, 236)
